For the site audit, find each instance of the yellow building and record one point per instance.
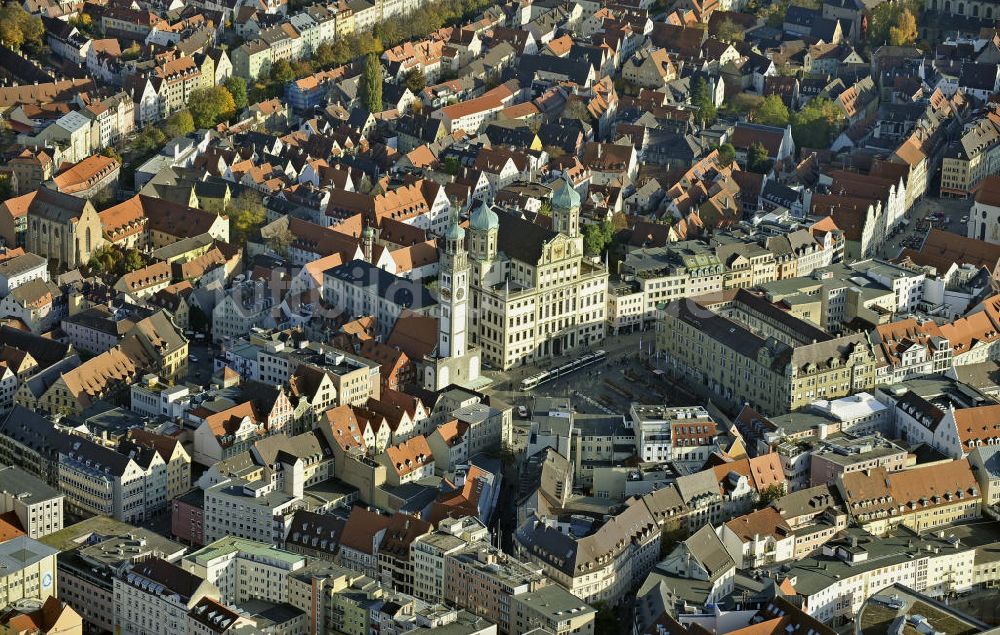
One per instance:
(921, 499)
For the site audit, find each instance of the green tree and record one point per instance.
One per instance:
(132, 261)
(370, 85)
(150, 139)
(282, 72)
(757, 159)
(576, 109)
(701, 98)
(237, 87)
(904, 32)
(415, 80)
(112, 154)
(545, 209)
(770, 494)
(209, 106)
(729, 31)
(597, 237)
(178, 124)
(727, 154)
(815, 124)
(323, 55)
(772, 112)
(246, 214)
(6, 187)
(670, 537)
(197, 320)
(451, 165)
(281, 241)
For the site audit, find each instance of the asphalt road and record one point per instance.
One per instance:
(200, 372)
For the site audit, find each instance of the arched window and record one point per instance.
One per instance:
(989, 12)
(88, 240)
(975, 10)
(961, 8)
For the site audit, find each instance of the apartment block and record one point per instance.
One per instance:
(38, 507)
(154, 597)
(244, 569)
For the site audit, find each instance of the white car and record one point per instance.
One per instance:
(192, 359)
(965, 219)
(522, 411)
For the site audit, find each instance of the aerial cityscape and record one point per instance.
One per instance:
(547, 317)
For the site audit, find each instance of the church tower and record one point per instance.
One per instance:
(452, 335)
(566, 209)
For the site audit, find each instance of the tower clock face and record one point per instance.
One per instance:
(460, 294)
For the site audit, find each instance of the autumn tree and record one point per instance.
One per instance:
(18, 28)
(209, 106)
(905, 31)
(246, 214)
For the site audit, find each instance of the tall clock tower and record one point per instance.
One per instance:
(454, 361)
(452, 335)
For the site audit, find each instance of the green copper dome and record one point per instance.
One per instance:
(566, 197)
(483, 218)
(454, 231)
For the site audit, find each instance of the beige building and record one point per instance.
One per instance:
(650, 69)
(746, 350)
(62, 228)
(534, 295)
(29, 570)
(154, 597)
(174, 82)
(172, 453)
(31, 168)
(554, 609)
(99, 481)
(970, 159)
(603, 565)
(921, 499)
(684, 269)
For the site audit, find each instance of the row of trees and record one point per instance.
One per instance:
(386, 34)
